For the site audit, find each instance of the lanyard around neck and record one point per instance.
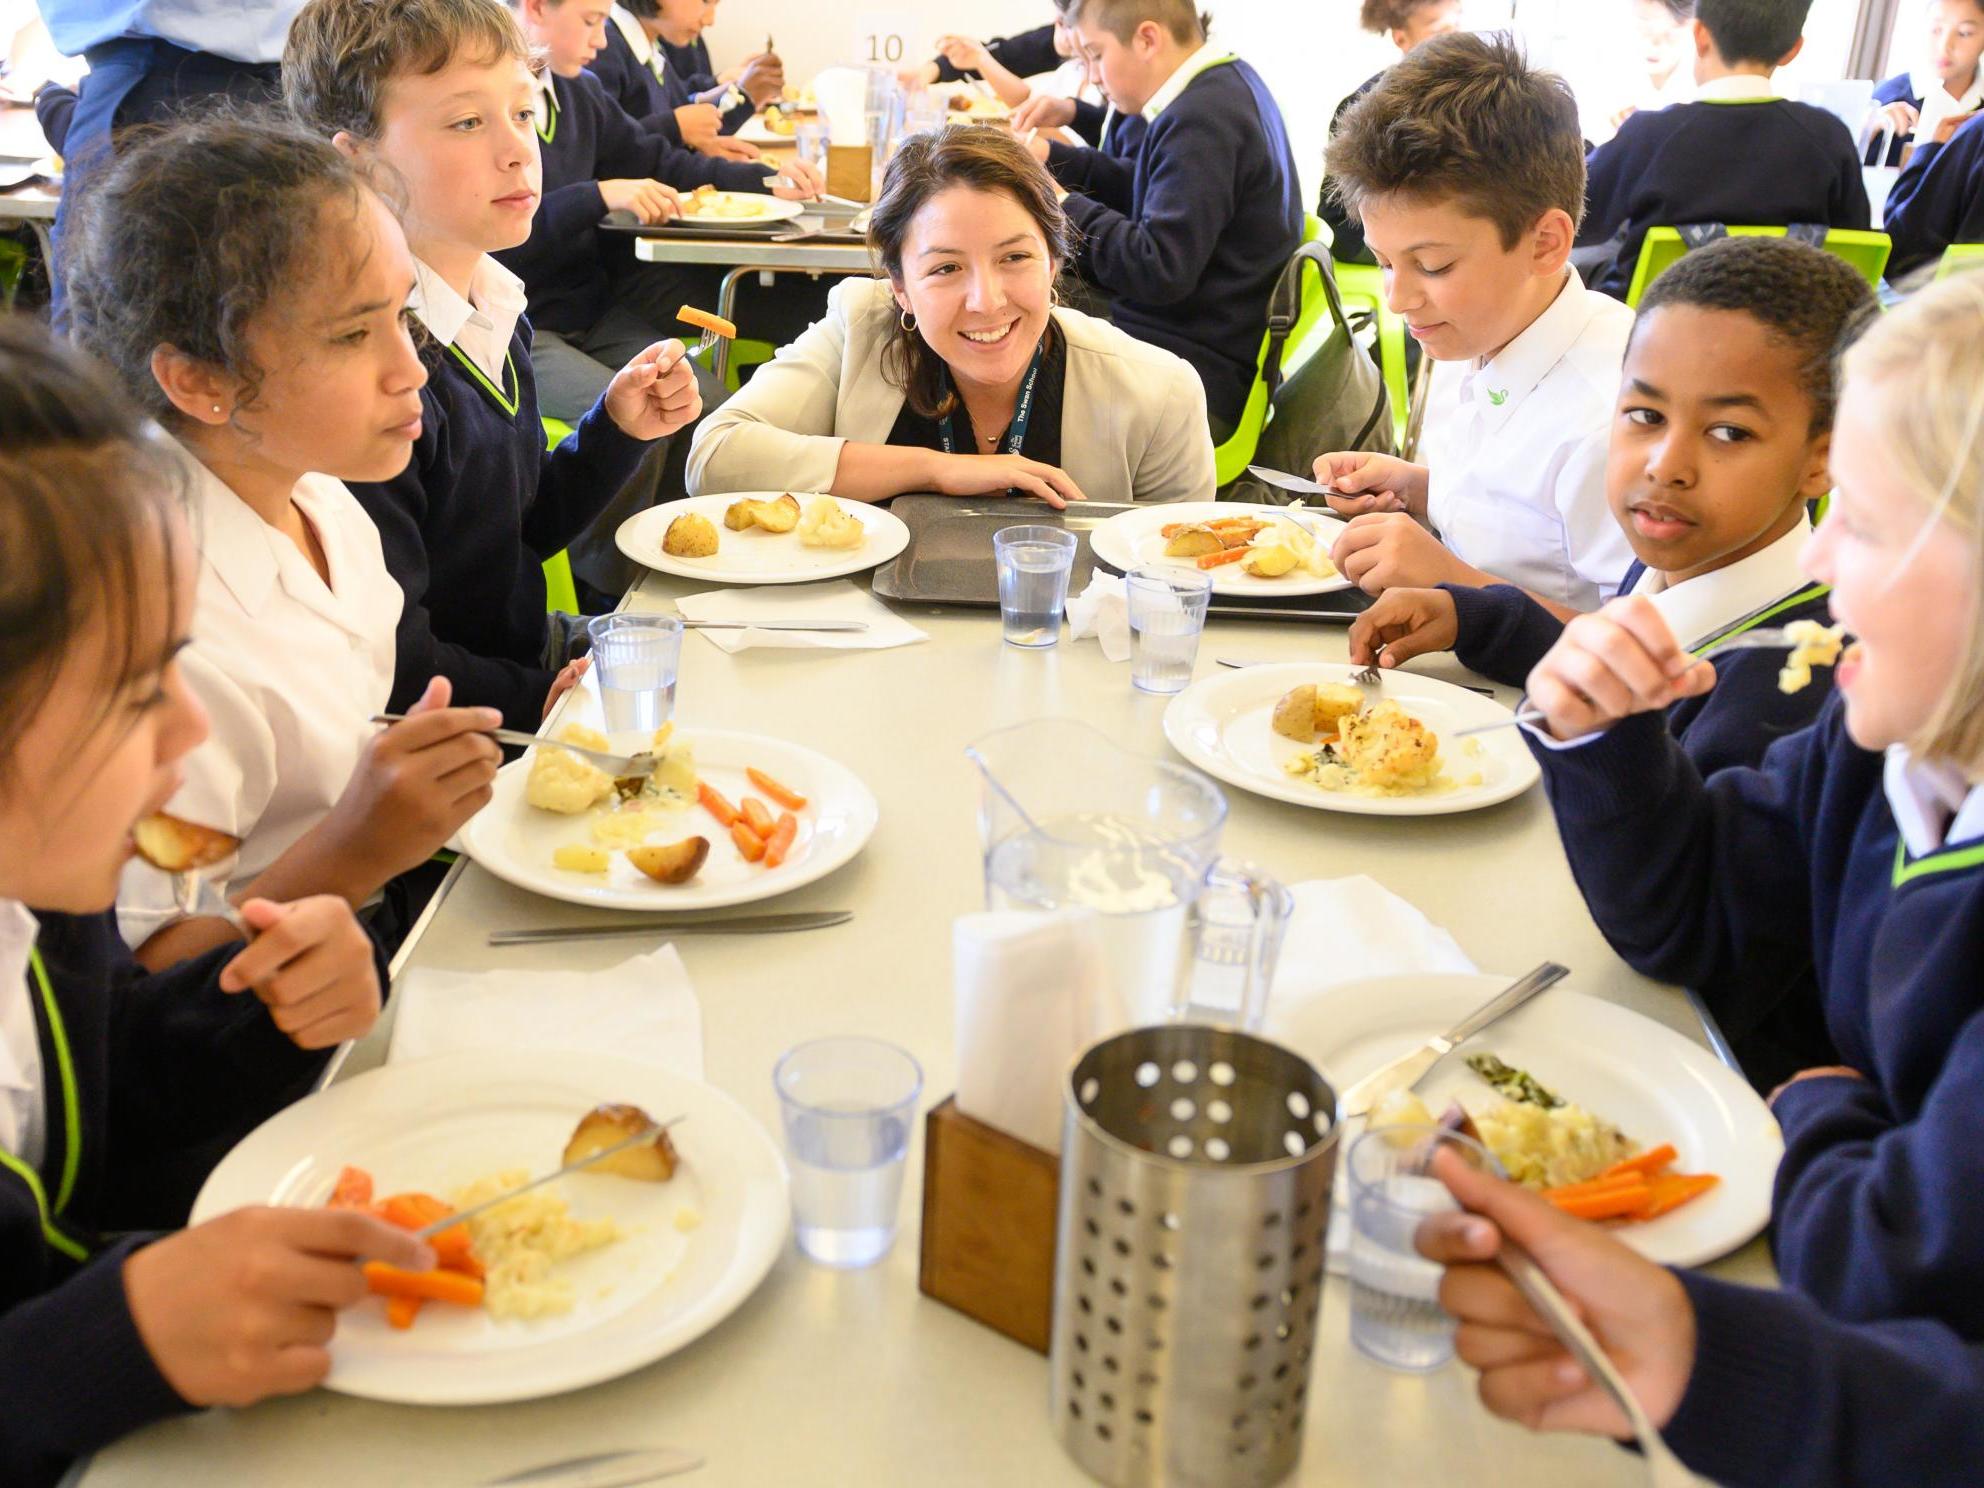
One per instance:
(1015, 434)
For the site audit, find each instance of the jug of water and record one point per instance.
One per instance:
(1068, 819)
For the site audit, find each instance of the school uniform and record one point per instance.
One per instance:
(1924, 92)
(466, 527)
(1515, 453)
(1939, 200)
(122, 1089)
(1346, 227)
(696, 75)
(634, 74)
(1189, 236)
(289, 668)
(1870, 871)
(1738, 154)
(1023, 54)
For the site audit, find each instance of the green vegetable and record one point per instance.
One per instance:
(1514, 1084)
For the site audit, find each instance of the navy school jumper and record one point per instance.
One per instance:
(632, 84)
(1939, 200)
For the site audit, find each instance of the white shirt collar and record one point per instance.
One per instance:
(20, 1068)
(544, 102)
(480, 325)
(1737, 87)
(1925, 85)
(1696, 609)
(1512, 374)
(1194, 64)
(638, 41)
(1924, 795)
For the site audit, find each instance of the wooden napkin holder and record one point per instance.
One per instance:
(989, 1215)
(850, 171)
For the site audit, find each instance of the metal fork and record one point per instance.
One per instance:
(195, 898)
(618, 765)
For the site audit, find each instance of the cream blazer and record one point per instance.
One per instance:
(1133, 416)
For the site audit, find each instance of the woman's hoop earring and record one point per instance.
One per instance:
(908, 321)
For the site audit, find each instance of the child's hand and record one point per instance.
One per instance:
(1372, 483)
(311, 966)
(654, 394)
(1949, 124)
(763, 79)
(988, 475)
(1639, 1313)
(702, 130)
(963, 53)
(1390, 550)
(923, 75)
(649, 201)
(1404, 623)
(1612, 664)
(565, 681)
(795, 180)
(1040, 146)
(241, 1307)
(1901, 117)
(1043, 111)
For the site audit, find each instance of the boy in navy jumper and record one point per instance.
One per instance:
(1737, 154)
(1925, 105)
(1939, 200)
(440, 93)
(1857, 847)
(737, 92)
(1188, 238)
(634, 71)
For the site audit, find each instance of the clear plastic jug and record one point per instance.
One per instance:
(1068, 819)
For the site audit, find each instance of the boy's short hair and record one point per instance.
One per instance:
(1466, 117)
(341, 53)
(1807, 299)
(1753, 30)
(1120, 18)
(1381, 16)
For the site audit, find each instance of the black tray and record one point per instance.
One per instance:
(949, 558)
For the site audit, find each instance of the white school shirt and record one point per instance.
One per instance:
(645, 51)
(289, 669)
(1515, 452)
(481, 325)
(1697, 609)
(23, 1119)
(1934, 806)
(1736, 87)
(543, 102)
(1937, 104)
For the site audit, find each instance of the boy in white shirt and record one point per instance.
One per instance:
(1467, 169)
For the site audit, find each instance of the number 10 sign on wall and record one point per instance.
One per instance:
(887, 38)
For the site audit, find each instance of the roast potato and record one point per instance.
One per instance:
(690, 536)
(1193, 542)
(781, 515)
(602, 1126)
(678, 862)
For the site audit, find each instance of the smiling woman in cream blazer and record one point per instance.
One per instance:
(957, 373)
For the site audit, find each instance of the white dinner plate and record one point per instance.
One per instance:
(515, 840)
(755, 556)
(741, 209)
(756, 131)
(1135, 539)
(693, 1248)
(1646, 1079)
(1224, 725)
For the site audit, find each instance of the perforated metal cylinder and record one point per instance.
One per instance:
(1195, 1186)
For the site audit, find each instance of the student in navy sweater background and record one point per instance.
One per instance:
(1926, 105)
(634, 71)
(1737, 154)
(122, 1076)
(1859, 846)
(738, 92)
(1188, 238)
(438, 93)
(1939, 200)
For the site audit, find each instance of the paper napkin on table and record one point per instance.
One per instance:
(1350, 930)
(838, 600)
(1032, 993)
(1102, 610)
(644, 1009)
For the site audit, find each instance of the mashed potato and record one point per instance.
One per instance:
(1539, 1149)
(827, 524)
(521, 1241)
(1813, 645)
(1382, 752)
(560, 781)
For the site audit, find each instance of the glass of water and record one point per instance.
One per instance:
(810, 138)
(1034, 564)
(635, 657)
(1395, 1312)
(848, 1105)
(1167, 616)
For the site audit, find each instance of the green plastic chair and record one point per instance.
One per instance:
(1664, 246)
(560, 592)
(1363, 287)
(1959, 257)
(1231, 459)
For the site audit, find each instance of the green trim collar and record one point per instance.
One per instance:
(508, 402)
(1953, 860)
(1751, 622)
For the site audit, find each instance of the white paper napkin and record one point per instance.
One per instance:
(1031, 993)
(644, 1009)
(838, 600)
(1350, 930)
(1102, 610)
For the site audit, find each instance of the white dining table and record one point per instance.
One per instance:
(830, 1378)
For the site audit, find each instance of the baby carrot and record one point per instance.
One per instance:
(1596, 1186)
(430, 1286)
(1612, 1204)
(783, 794)
(780, 842)
(353, 1190)
(748, 842)
(1650, 1161)
(1231, 555)
(714, 803)
(1671, 1190)
(402, 1310)
(758, 817)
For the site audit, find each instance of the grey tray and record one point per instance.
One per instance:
(949, 558)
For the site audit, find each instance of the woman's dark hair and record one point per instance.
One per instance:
(969, 155)
(194, 232)
(86, 510)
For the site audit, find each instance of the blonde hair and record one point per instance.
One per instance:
(1927, 356)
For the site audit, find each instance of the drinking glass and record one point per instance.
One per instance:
(848, 1105)
(1034, 564)
(810, 139)
(1167, 615)
(636, 657)
(1395, 1312)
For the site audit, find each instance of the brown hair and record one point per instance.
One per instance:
(969, 155)
(193, 232)
(1120, 18)
(1465, 117)
(1381, 16)
(86, 519)
(341, 53)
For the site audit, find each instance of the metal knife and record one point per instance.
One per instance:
(767, 924)
(604, 1470)
(1409, 1069)
(646, 1134)
(1289, 482)
(820, 625)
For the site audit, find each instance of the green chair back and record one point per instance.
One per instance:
(1231, 459)
(560, 592)
(1959, 257)
(1664, 246)
(1363, 286)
